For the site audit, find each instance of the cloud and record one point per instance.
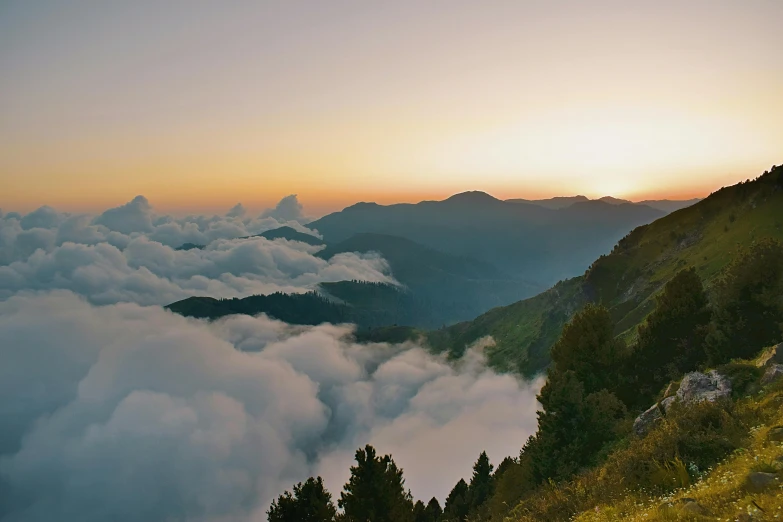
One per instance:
(128, 413)
(128, 254)
(134, 216)
(288, 209)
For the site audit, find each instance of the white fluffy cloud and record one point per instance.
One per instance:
(128, 254)
(112, 408)
(127, 413)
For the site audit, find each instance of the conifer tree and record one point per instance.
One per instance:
(433, 510)
(572, 427)
(457, 503)
(376, 491)
(310, 502)
(589, 348)
(481, 483)
(748, 308)
(429, 513)
(672, 340)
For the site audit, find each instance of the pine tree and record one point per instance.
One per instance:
(310, 502)
(429, 513)
(457, 503)
(433, 510)
(572, 427)
(376, 491)
(748, 308)
(589, 348)
(481, 483)
(672, 340)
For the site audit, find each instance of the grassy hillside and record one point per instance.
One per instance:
(523, 332)
(703, 236)
(693, 466)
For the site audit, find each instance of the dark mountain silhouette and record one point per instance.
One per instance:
(276, 233)
(460, 287)
(553, 203)
(664, 205)
(368, 305)
(669, 205)
(292, 235)
(524, 240)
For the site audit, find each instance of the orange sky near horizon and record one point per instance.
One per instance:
(199, 106)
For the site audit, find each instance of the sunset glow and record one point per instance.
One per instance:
(201, 106)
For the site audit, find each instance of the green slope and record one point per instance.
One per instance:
(704, 236)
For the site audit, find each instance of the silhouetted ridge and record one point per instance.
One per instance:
(474, 196)
(292, 235)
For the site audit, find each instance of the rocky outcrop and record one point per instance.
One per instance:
(647, 420)
(771, 356)
(698, 387)
(773, 373)
(695, 387)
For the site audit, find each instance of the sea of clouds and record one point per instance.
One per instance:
(113, 408)
(129, 254)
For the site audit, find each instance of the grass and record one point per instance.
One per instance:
(702, 454)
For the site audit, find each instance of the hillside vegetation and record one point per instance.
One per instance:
(373, 307)
(704, 236)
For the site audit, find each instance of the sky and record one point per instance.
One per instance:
(200, 105)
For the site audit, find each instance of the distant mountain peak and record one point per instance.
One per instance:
(614, 201)
(472, 196)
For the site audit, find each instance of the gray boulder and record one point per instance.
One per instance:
(667, 403)
(698, 387)
(694, 508)
(695, 387)
(758, 480)
(773, 373)
(647, 420)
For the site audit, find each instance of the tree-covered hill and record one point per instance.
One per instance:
(704, 236)
(368, 305)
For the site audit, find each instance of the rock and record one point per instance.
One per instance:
(695, 387)
(773, 373)
(775, 434)
(758, 480)
(647, 420)
(694, 507)
(772, 356)
(698, 387)
(667, 402)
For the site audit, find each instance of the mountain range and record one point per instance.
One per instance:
(626, 280)
(526, 241)
(664, 205)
